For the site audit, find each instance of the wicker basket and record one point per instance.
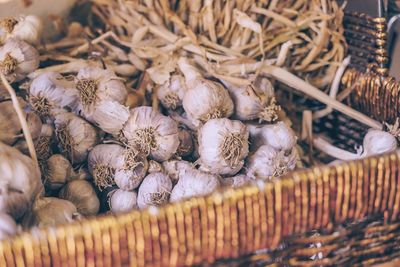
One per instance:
(339, 215)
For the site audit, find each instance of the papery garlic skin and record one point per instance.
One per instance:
(102, 163)
(8, 227)
(81, 193)
(204, 99)
(236, 181)
(186, 145)
(223, 146)
(171, 93)
(26, 28)
(175, 168)
(268, 163)
(17, 59)
(252, 103)
(123, 201)
(194, 183)
(279, 136)
(154, 166)
(95, 85)
(151, 133)
(50, 92)
(378, 142)
(154, 190)
(51, 211)
(110, 116)
(75, 136)
(19, 181)
(59, 171)
(132, 167)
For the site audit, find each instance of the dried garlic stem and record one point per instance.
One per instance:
(333, 151)
(21, 117)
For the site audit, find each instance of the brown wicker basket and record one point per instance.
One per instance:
(340, 215)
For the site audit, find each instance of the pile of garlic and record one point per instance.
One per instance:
(100, 152)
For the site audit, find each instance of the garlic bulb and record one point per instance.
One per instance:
(236, 181)
(132, 167)
(175, 168)
(34, 124)
(154, 190)
(26, 28)
(204, 99)
(110, 116)
(19, 181)
(8, 227)
(58, 172)
(151, 133)
(51, 211)
(186, 145)
(194, 183)
(154, 166)
(268, 163)
(279, 136)
(223, 146)
(123, 201)
(81, 193)
(17, 59)
(172, 92)
(50, 92)
(10, 127)
(254, 102)
(95, 85)
(75, 136)
(102, 162)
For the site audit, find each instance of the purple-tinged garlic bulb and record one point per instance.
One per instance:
(154, 190)
(223, 146)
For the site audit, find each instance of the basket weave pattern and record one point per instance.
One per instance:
(224, 225)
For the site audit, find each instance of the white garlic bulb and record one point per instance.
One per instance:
(123, 201)
(171, 93)
(175, 168)
(194, 183)
(132, 167)
(151, 133)
(236, 181)
(102, 163)
(279, 136)
(378, 142)
(19, 181)
(75, 136)
(254, 101)
(50, 92)
(26, 28)
(51, 211)
(154, 190)
(204, 99)
(110, 116)
(223, 146)
(268, 163)
(81, 193)
(17, 59)
(58, 172)
(8, 227)
(95, 85)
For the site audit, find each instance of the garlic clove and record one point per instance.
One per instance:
(75, 136)
(194, 183)
(123, 201)
(8, 227)
(58, 172)
(17, 59)
(81, 193)
(51, 211)
(223, 146)
(19, 181)
(154, 190)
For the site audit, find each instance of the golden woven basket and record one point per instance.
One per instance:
(341, 215)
